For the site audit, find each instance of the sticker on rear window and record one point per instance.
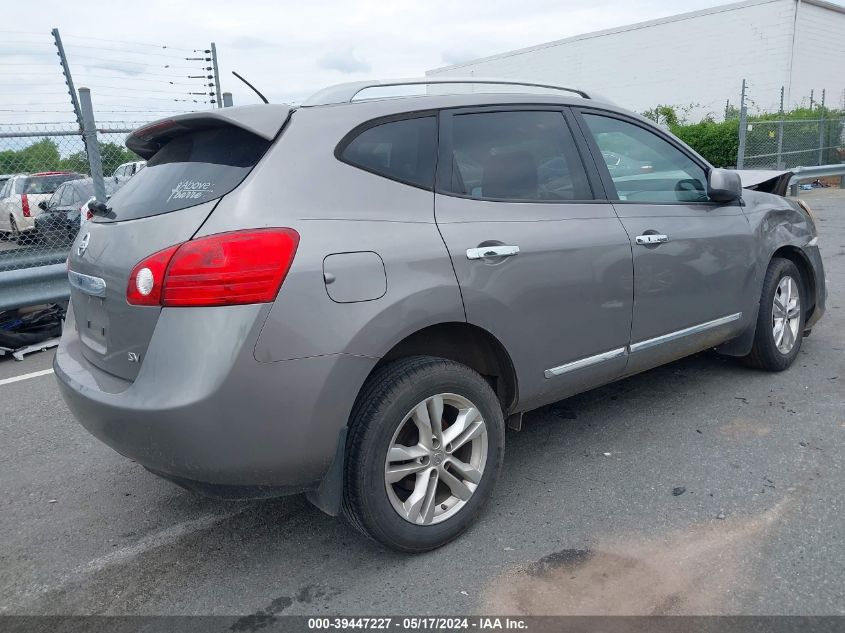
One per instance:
(190, 190)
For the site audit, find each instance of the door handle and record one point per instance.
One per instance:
(646, 240)
(488, 252)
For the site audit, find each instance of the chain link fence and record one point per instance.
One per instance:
(808, 134)
(788, 143)
(45, 185)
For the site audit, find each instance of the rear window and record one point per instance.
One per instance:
(43, 184)
(190, 170)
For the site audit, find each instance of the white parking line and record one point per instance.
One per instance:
(25, 594)
(35, 374)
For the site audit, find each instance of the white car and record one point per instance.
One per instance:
(19, 198)
(4, 178)
(127, 170)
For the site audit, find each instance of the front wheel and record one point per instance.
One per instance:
(425, 448)
(780, 320)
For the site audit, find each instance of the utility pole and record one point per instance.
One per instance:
(89, 135)
(821, 131)
(216, 75)
(743, 129)
(227, 100)
(57, 39)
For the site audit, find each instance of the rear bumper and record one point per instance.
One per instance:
(212, 415)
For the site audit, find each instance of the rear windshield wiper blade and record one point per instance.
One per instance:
(101, 210)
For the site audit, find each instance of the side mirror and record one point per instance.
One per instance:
(723, 185)
(42, 205)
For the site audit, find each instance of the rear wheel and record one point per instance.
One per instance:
(780, 320)
(425, 448)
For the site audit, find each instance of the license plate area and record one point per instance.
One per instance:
(94, 326)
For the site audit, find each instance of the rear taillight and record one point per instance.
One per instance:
(225, 269)
(86, 212)
(25, 205)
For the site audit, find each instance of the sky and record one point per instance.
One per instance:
(287, 49)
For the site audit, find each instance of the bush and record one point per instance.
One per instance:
(717, 142)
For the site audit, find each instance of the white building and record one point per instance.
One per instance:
(695, 59)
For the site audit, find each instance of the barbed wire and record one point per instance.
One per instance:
(144, 78)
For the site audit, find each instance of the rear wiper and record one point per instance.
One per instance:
(101, 210)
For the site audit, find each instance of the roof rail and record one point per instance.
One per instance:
(345, 93)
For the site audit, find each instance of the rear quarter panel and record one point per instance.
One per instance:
(337, 208)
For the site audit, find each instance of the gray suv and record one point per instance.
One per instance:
(353, 298)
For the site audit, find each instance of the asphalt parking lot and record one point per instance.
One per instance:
(699, 487)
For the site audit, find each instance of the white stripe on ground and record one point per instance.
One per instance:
(151, 541)
(35, 374)
(22, 595)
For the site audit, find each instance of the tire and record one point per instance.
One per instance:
(387, 414)
(769, 352)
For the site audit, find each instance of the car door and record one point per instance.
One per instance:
(693, 258)
(542, 262)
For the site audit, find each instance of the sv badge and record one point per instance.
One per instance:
(134, 357)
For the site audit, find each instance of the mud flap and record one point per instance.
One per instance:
(742, 344)
(328, 496)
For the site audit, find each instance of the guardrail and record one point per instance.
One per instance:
(808, 173)
(43, 280)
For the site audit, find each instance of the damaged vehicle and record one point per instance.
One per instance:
(354, 297)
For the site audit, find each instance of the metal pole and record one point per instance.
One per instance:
(216, 74)
(68, 78)
(821, 131)
(227, 100)
(89, 135)
(727, 108)
(812, 102)
(780, 164)
(743, 129)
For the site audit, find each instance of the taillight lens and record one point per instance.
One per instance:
(225, 269)
(25, 205)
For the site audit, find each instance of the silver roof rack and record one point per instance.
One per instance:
(345, 93)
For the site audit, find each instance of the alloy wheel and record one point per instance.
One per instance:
(786, 314)
(436, 459)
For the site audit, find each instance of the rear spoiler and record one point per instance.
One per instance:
(262, 120)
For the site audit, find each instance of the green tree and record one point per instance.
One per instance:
(44, 155)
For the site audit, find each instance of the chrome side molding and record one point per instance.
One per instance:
(92, 286)
(585, 362)
(673, 336)
(642, 345)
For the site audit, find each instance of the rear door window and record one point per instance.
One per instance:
(516, 156)
(189, 170)
(400, 150)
